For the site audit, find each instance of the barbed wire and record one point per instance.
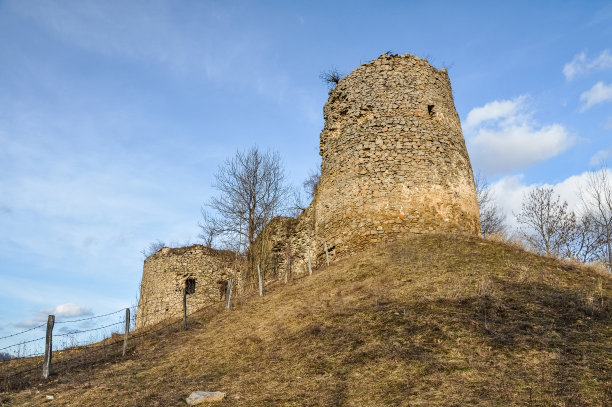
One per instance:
(22, 332)
(98, 349)
(22, 343)
(88, 330)
(89, 318)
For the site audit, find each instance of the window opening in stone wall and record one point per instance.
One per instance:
(190, 285)
(430, 109)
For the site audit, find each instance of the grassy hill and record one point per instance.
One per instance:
(433, 320)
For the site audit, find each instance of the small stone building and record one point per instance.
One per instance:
(202, 271)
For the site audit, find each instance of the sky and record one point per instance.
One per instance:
(114, 116)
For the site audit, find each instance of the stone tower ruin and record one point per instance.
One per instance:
(394, 163)
(394, 160)
(200, 271)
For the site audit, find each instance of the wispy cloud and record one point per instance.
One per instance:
(502, 136)
(582, 65)
(68, 310)
(599, 93)
(600, 157)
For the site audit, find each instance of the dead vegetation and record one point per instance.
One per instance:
(433, 320)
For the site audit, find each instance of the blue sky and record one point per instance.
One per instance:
(114, 115)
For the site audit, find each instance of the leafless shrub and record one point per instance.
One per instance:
(153, 248)
(485, 287)
(331, 77)
(312, 183)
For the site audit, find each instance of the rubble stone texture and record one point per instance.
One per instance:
(394, 159)
(166, 272)
(394, 163)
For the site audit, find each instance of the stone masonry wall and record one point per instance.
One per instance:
(394, 163)
(282, 247)
(394, 160)
(164, 275)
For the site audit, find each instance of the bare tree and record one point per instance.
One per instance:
(312, 182)
(251, 192)
(546, 223)
(584, 243)
(492, 219)
(208, 230)
(596, 199)
(310, 185)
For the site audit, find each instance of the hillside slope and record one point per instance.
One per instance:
(432, 320)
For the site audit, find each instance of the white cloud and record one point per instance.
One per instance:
(600, 157)
(68, 310)
(501, 136)
(599, 93)
(509, 192)
(581, 65)
(494, 110)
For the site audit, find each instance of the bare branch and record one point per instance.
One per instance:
(546, 224)
(251, 192)
(596, 199)
(331, 77)
(492, 219)
(153, 248)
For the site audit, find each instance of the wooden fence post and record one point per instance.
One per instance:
(229, 293)
(260, 282)
(48, 347)
(127, 330)
(185, 307)
(326, 253)
(287, 268)
(309, 265)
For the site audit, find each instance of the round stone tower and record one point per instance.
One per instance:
(394, 160)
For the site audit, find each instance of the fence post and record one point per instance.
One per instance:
(48, 347)
(127, 330)
(260, 282)
(309, 265)
(229, 293)
(287, 268)
(185, 307)
(326, 253)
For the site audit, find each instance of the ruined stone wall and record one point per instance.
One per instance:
(282, 247)
(165, 273)
(394, 159)
(394, 163)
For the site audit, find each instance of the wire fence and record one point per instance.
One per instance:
(70, 334)
(81, 347)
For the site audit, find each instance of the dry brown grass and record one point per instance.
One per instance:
(433, 320)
